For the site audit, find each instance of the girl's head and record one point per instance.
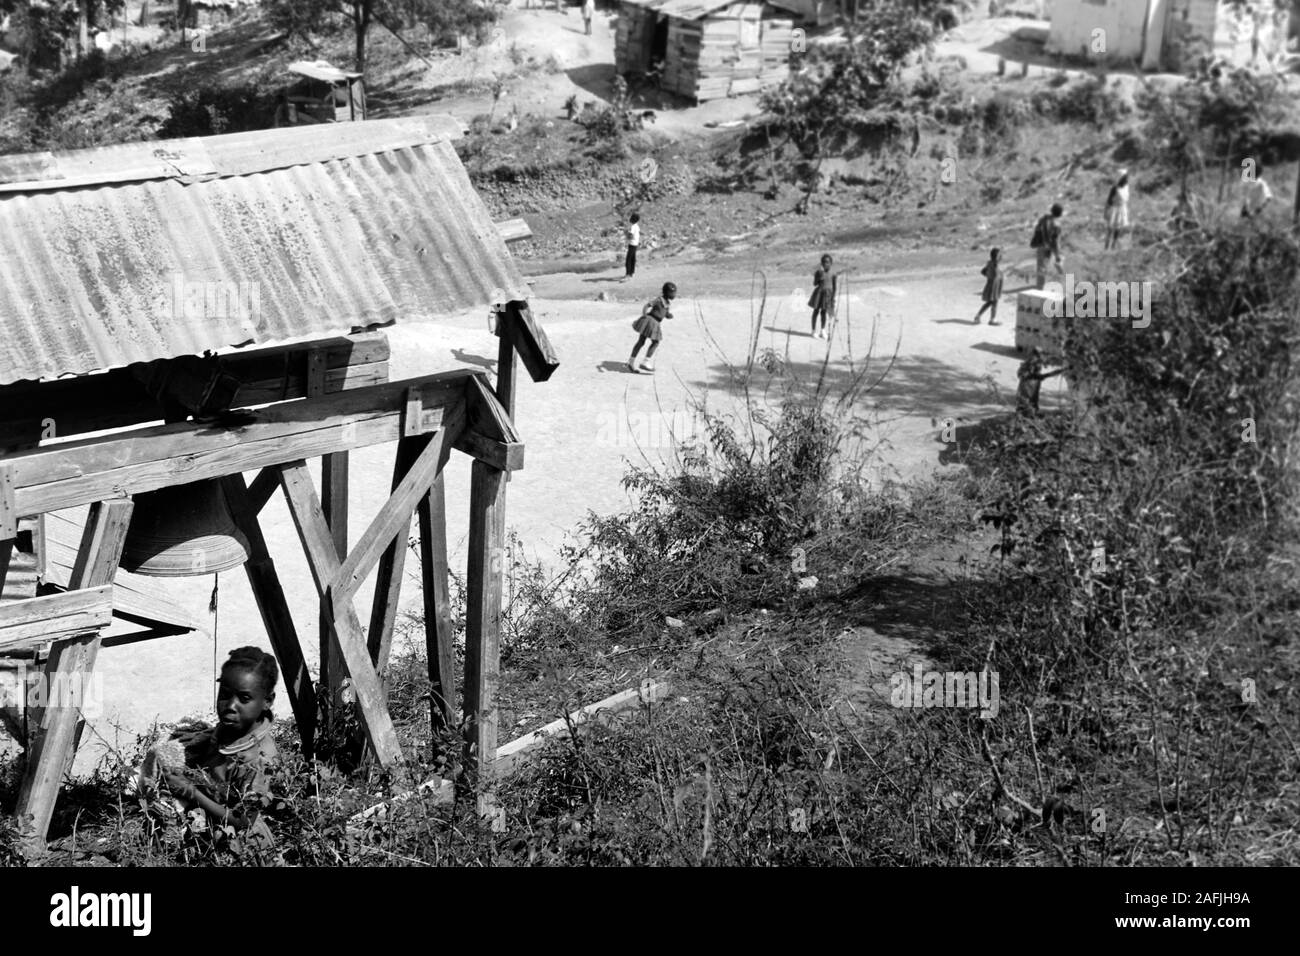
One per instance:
(247, 690)
(995, 253)
(634, 218)
(1123, 178)
(826, 261)
(670, 290)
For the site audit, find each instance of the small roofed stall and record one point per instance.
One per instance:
(708, 49)
(322, 94)
(183, 325)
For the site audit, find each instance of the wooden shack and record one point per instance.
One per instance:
(208, 314)
(706, 49)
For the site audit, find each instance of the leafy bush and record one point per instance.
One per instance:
(217, 109)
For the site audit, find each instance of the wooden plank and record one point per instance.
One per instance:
(334, 505)
(274, 609)
(66, 475)
(512, 756)
(512, 230)
(263, 487)
(52, 749)
(486, 414)
(535, 349)
(40, 620)
(438, 635)
(504, 456)
(318, 544)
(395, 514)
(392, 563)
(8, 508)
(487, 498)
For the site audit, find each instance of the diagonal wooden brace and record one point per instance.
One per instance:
(397, 510)
(318, 544)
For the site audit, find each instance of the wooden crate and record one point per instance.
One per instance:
(1036, 329)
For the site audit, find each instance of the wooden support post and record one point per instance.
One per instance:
(334, 504)
(388, 578)
(274, 608)
(435, 575)
(8, 510)
(71, 661)
(318, 544)
(487, 498)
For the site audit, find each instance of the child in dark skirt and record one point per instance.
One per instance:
(992, 273)
(648, 327)
(822, 300)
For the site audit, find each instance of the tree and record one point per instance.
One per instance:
(842, 84)
(442, 17)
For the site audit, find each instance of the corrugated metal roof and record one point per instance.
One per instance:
(694, 9)
(392, 233)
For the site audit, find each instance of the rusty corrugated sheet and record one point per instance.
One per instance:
(88, 274)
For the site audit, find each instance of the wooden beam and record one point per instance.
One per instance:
(33, 411)
(66, 475)
(263, 487)
(70, 660)
(274, 608)
(512, 230)
(318, 544)
(392, 563)
(8, 507)
(530, 339)
(500, 455)
(506, 369)
(491, 436)
(439, 639)
(334, 505)
(396, 511)
(40, 620)
(512, 756)
(487, 497)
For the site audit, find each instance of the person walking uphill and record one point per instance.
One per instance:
(822, 300)
(1117, 210)
(649, 327)
(1046, 243)
(588, 11)
(633, 234)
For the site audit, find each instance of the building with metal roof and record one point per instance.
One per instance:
(706, 49)
(157, 250)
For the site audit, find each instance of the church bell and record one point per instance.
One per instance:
(183, 531)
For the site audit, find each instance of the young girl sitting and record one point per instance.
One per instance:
(648, 327)
(227, 763)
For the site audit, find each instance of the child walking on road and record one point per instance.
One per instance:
(822, 300)
(992, 273)
(648, 327)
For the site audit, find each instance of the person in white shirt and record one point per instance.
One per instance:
(1256, 195)
(588, 11)
(633, 240)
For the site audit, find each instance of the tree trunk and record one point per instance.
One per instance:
(361, 22)
(83, 28)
